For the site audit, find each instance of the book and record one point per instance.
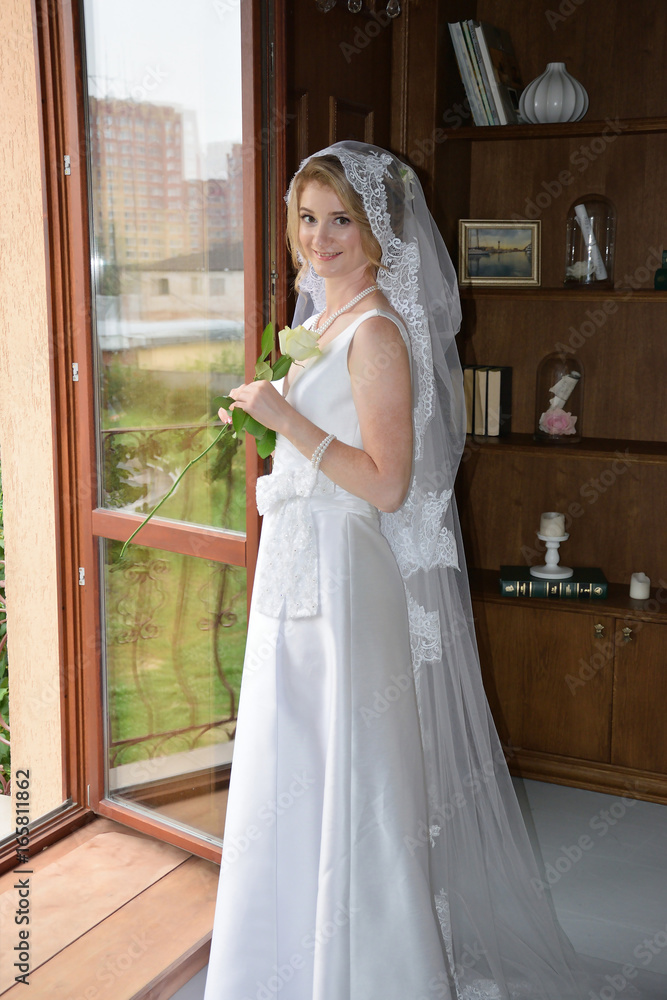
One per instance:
(488, 399)
(466, 73)
(502, 70)
(516, 581)
(485, 82)
(474, 65)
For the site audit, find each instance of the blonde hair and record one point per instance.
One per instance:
(328, 171)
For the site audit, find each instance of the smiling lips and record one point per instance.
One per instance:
(327, 256)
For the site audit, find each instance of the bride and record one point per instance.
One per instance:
(374, 848)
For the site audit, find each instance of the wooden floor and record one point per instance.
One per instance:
(114, 915)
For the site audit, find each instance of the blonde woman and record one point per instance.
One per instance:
(374, 848)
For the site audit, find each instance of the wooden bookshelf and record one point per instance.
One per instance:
(609, 737)
(558, 130)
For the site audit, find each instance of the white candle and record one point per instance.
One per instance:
(640, 586)
(552, 524)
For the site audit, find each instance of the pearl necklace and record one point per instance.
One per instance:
(328, 322)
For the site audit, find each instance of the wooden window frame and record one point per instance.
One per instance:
(60, 72)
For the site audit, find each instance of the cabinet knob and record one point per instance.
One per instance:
(599, 631)
(627, 634)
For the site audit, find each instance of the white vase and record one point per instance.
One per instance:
(554, 96)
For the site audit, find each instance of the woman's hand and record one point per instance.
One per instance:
(263, 402)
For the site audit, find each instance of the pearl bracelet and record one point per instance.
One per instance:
(319, 451)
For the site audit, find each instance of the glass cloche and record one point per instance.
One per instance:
(590, 242)
(559, 399)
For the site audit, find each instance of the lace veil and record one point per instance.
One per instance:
(500, 938)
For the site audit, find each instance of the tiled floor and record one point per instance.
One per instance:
(605, 859)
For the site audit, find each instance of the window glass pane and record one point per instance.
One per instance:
(175, 637)
(164, 113)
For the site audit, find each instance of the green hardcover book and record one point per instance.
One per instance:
(516, 581)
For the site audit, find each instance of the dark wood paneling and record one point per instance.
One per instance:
(337, 61)
(527, 658)
(427, 99)
(640, 695)
(298, 118)
(349, 120)
(623, 353)
(613, 513)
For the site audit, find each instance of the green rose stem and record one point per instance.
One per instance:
(167, 495)
(266, 439)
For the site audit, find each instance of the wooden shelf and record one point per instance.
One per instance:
(562, 294)
(559, 130)
(646, 452)
(484, 586)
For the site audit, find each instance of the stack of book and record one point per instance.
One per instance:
(488, 398)
(489, 71)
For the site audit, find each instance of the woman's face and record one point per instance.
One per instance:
(330, 238)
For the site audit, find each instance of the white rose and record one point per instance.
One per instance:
(299, 343)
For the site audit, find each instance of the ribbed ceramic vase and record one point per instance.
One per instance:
(554, 96)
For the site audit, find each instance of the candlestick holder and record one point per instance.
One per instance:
(551, 570)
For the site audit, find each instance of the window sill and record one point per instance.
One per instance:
(114, 915)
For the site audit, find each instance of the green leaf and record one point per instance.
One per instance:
(221, 401)
(282, 366)
(239, 418)
(267, 444)
(263, 372)
(254, 427)
(267, 341)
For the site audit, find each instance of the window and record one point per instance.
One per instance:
(216, 286)
(210, 544)
(173, 616)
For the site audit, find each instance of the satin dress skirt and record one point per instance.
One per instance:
(324, 891)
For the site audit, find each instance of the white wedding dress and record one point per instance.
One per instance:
(323, 894)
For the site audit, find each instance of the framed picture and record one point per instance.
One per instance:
(493, 252)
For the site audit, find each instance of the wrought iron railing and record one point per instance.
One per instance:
(150, 601)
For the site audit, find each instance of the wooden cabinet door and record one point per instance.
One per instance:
(548, 677)
(640, 695)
